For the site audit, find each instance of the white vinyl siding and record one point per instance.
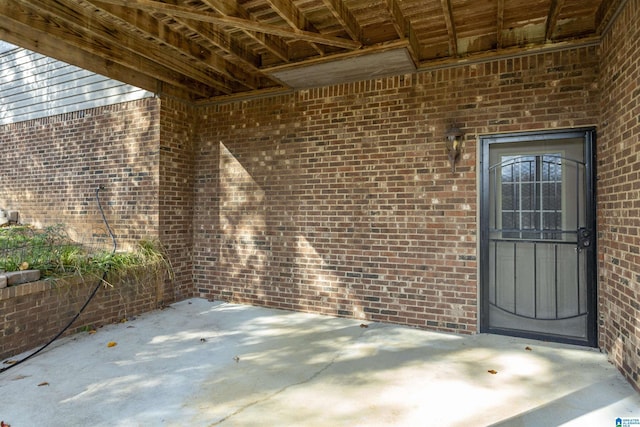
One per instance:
(34, 86)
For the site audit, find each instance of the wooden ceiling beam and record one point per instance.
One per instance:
(154, 6)
(292, 16)
(404, 29)
(231, 47)
(85, 41)
(397, 18)
(414, 47)
(499, 24)
(276, 46)
(451, 27)
(160, 32)
(211, 48)
(507, 53)
(28, 37)
(223, 40)
(344, 16)
(552, 18)
(108, 34)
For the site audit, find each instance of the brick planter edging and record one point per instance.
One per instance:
(32, 313)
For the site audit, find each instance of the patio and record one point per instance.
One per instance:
(201, 363)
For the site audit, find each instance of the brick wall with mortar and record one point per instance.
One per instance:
(52, 166)
(50, 169)
(340, 200)
(175, 197)
(141, 151)
(619, 193)
(33, 313)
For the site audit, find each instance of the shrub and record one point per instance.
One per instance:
(51, 251)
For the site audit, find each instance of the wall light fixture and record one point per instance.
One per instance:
(453, 144)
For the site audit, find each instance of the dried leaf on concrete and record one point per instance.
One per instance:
(20, 377)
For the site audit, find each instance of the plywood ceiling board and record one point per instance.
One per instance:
(364, 67)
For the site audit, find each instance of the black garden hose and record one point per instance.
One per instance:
(93, 293)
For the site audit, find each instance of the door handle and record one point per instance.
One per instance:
(584, 239)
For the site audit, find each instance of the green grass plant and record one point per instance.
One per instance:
(51, 251)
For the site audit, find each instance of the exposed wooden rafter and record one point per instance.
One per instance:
(205, 49)
(13, 31)
(451, 27)
(292, 16)
(184, 12)
(150, 27)
(397, 18)
(224, 41)
(499, 24)
(105, 32)
(344, 16)
(552, 18)
(403, 29)
(34, 14)
(275, 46)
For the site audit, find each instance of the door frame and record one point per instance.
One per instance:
(588, 135)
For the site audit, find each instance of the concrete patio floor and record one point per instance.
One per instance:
(200, 363)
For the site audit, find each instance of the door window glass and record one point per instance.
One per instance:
(531, 190)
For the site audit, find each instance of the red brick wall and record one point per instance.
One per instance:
(32, 314)
(176, 193)
(142, 151)
(619, 193)
(340, 200)
(52, 166)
